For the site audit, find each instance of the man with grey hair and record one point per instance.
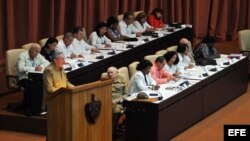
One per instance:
(54, 76)
(65, 46)
(119, 92)
(30, 60)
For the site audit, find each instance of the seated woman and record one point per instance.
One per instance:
(142, 80)
(171, 66)
(98, 38)
(141, 23)
(112, 32)
(49, 48)
(155, 18)
(184, 60)
(206, 49)
(159, 74)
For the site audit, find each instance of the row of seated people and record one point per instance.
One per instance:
(73, 44)
(152, 71)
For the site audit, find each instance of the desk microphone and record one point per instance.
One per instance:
(129, 45)
(160, 97)
(100, 56)
(184, 83)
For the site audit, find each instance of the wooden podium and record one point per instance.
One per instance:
(67, 120)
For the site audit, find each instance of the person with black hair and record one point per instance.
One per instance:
(98, 38)
(79, 44)
(126, 27)
(155, 18)
(185, 61)
(49, 48)
(158, 73)
(171, 66)
(141, 23)
(112, 32)
(142, 80)
(206, 49)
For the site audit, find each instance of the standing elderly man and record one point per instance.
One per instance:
(54, 76)
(30, 60)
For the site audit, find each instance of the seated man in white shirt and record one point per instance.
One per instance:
(141, 23)
(30, 60)
(126, 28)
(79, 44)
(65, 46)
(98, 38)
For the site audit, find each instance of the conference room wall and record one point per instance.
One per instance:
(24, 21)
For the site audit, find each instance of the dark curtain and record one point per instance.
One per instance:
(24, 21)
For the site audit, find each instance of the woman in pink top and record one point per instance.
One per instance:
(158, 73)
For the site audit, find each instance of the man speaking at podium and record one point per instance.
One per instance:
(54, 76)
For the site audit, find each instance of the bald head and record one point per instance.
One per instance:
(184, 41)
(112, 72)
(34, 50)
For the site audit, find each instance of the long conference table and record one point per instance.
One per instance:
(92, 72)
(162, 120)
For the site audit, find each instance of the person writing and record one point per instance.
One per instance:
(155, 18)
(171, 66)
(126, 27)
(49, 48)
(79, 44)
(185, 61)
(112, 32)
(158, 73)
(98, 38)
(65, 46)
(141, 23)
(30, 60)
(142, 80)
(206, 49)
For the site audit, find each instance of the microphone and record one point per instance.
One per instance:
(159, 94)
(100, 56)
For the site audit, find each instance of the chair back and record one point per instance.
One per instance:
(172, 48)
(27, 46)
(132, 68)
(161, 52)
(151, 58)
(59, 37)
(120, 17)
(137, 12)
(42, 42)
(244, 40)
(11, 57)
(85, 38)
(124, 71)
